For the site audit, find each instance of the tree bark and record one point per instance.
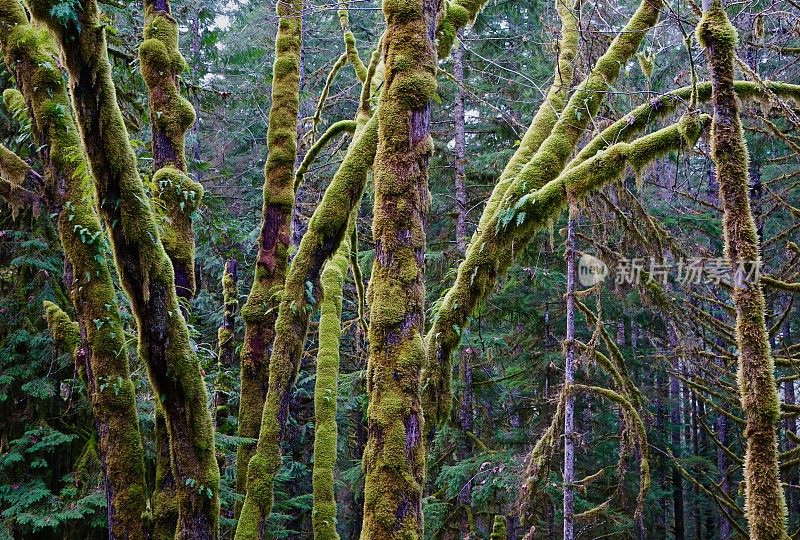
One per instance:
(569, 379)
(111, 391)
(260, 310)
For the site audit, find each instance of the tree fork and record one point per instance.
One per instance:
(145, 270)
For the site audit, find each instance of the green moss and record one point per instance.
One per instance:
(442, 338)
(31, 54)
(259, 312)
(458, 14)
(12, 168)
(144, 268)
(499, 528)
(64, 330)
(765, 502)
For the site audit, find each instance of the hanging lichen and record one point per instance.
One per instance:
(765, 503)
(143, 266)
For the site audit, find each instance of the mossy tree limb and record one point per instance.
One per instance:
(145, 270)
(765, 503)
(323, 513)
(20, 186)
(260, 310)
(171, 116)
(435, 381)
(30, 55)
(226, 334)
(489, 251)
(394, 457)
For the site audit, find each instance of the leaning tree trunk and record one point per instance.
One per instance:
(764, 497)
(145, 271)
(261, 309)
(394, 458)
(29, 57)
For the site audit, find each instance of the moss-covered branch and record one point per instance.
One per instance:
(145, 270)
(260, 310)
(20, 186)
(764, 498)
(323, 513)
(336, 129)
(30, 56)
(436, 385)
(226, 334)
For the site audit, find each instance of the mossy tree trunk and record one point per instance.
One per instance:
(145, 270)
(326, 230)
(260, 310)
(394, 458)
(226, 333)
(28, 55)
(764, 498)
(171, 115)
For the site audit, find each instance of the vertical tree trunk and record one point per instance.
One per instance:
(394, 459)
(260, 310)
(723, 466)
(460, 147)
(323, 513)
(765, 504)
(569, 379)
(466, 424)
(226, 342)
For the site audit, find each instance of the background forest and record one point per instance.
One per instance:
(499, 449)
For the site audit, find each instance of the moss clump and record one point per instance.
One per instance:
(64, 330)
(499, 531)
(12, 168)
